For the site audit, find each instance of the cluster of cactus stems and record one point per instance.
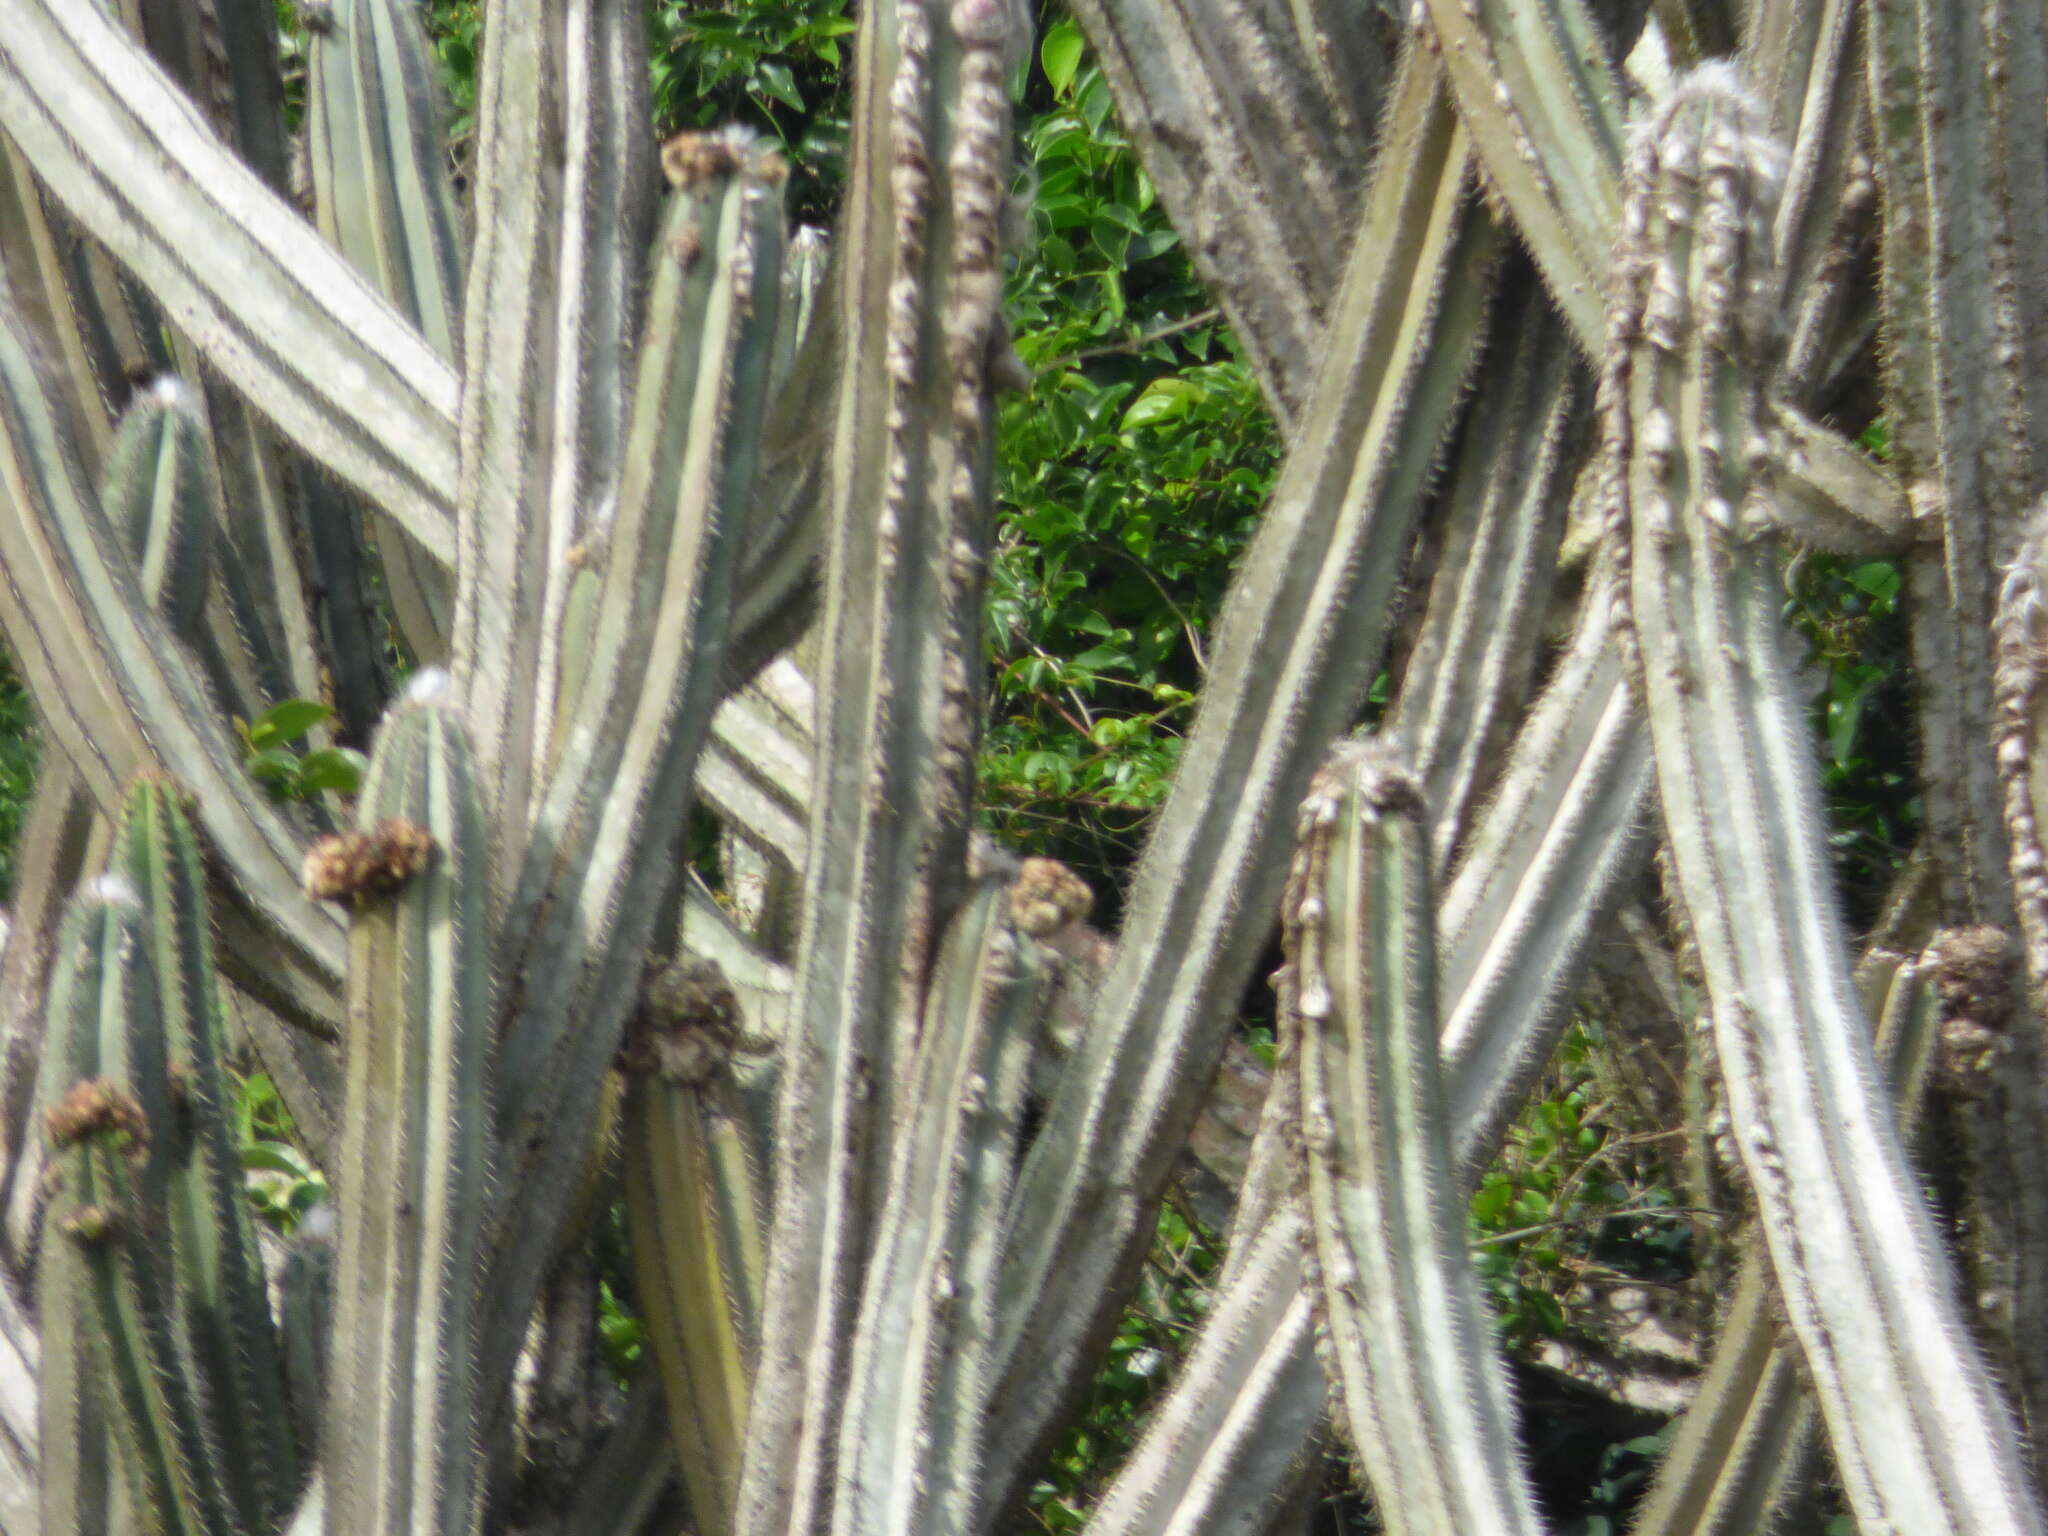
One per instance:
(668, 507)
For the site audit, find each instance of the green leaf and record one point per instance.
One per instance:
(1061, 54)
(339, 769)
(774, 78)
(277, 767)
(287, 721)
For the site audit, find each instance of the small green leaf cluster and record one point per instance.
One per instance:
(1849, 614)
(282, 1182)
(18, 752)
(290, 775)
(1130, 476)
(1156, 1329)
(1575, 1199)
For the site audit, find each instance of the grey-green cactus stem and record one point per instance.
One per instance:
(1965, 209)
(1992, 1100)
(921, 1376)
(1249, 156)
(403, 1423)
(609, 187)
(1747, 1452)
(595, 882)
(381, 194)
(908, 524)
(1297, 644)
(1405, 1340)
(244, 270)
(1503, 514)
(118, 694)
(1921, 1438)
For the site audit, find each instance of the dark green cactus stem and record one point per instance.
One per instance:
(112, 1120)
(1406, 1343)
(217, 1278)
(403, 1423)
(306, 1326)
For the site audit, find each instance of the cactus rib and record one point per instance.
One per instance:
(1406, 1344)
(403, 1413)
(1297, 645)
(1920, 1436)
(244, 270)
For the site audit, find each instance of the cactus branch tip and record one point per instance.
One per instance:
(113, 890)
(431, 686)
(171, 392)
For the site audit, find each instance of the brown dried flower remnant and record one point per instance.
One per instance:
(1047, 896)
(90, 1224)
(356, 866)
(94, 1106)
(691, 159)
(688, 1024)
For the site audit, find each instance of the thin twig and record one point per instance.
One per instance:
(1123, 348)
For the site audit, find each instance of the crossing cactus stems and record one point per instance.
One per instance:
(894, 1141)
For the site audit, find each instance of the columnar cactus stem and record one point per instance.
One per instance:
(245, 270)
(120, 696)
(1921, 1439)
(1748, 1444)
(403, 1419)
(1406, 1343)
(217, 1275)
(909, 524)
(1299, 641)
(921, 1375)
(1505, 503)
(595, 878)
(1966, 350)
(112, 1121)
(381, 194)
(696, 1196)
